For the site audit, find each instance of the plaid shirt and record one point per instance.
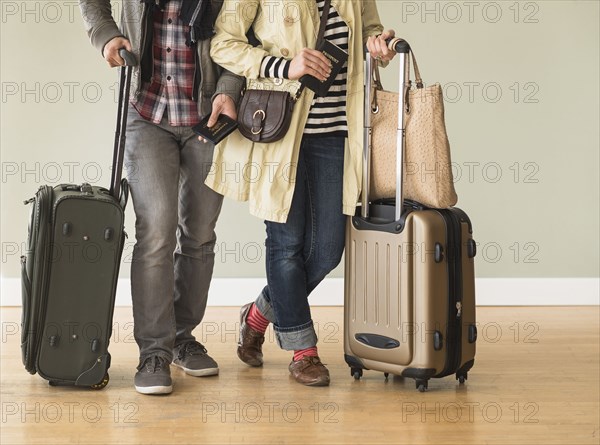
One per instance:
(173, 70)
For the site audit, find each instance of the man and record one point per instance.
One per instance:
(174, 84)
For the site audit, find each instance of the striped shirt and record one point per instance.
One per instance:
(327, 114)
(174, 65)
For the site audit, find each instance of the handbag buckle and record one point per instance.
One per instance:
(263, 116)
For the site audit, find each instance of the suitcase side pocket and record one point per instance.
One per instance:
(26, 297)
(34, 268)
(26, 290)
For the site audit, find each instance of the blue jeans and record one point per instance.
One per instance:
(303, 250)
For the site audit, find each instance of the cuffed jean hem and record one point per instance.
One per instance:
(265, 308)
(304, 338)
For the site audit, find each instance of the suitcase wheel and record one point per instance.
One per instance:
(461, 377)
(52, 383)
(356, 373)
(421, 385)
(102, 383)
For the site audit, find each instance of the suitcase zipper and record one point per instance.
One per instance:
(41, 264)
(454, 257)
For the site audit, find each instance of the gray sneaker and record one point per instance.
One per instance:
(154, 376)
(193, 358)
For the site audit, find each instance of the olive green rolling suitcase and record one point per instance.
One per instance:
(70, 270)
(409, 278)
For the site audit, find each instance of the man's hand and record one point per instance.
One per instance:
(222, 104)
(111, 51)
(378, 48)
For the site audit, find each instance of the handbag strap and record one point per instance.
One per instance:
(418, 79)
(324, 17)
(378, 86)
(320, 35)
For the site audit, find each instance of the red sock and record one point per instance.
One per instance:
(308, 352)
(256, 320)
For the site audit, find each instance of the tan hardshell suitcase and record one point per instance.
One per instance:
(409, 277)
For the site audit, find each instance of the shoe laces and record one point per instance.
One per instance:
(310, 360)
(314, 360)
(191, 348)
(154, 363)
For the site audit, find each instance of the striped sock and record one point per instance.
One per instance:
(256, 320)
(308, 352)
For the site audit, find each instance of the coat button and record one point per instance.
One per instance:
(285, 52)
(288, 21)
(278, 81)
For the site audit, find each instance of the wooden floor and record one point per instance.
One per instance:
(535, 381)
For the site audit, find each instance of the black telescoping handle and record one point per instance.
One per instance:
(119, 147)
(401, 47)
(398, 45)
(128, 57)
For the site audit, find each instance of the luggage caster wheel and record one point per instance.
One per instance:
(421, 385)
(52, 383)
(102, 383)
(356, 373)
(386, 375)
(461, 378)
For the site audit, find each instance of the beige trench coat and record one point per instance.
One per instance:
(263, 174)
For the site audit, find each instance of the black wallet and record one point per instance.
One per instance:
(337, 56)
(219, 131)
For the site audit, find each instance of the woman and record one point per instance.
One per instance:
(305, 184)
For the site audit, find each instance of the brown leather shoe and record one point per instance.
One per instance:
(310, 371)
(250, 343)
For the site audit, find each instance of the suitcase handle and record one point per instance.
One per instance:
(128, 57)
(398, 45)
(119, 147)
(377, 77)
(83, 188)
(403, 49)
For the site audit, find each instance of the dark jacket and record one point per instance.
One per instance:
(135, 18)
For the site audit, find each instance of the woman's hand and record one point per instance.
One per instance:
(312, 62)
(378, 48)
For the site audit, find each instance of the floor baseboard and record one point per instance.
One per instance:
(490, 292)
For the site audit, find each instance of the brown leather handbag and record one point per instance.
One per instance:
(265, 115)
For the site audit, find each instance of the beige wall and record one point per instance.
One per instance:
(522, 115)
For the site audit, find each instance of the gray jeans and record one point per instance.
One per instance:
(176, 214)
